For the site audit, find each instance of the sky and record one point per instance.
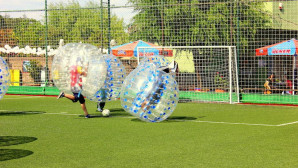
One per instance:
(8, 5)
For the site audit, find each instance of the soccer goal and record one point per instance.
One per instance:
(206, 73)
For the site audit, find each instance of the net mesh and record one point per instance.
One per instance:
(206, 73)
(29, 36)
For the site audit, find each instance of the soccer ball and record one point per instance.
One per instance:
(106, 112)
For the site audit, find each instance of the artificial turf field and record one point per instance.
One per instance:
(37, 132)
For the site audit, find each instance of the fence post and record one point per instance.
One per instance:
(101, 25)
(46, 42)
(109, 26)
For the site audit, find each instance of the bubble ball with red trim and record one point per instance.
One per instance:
(149, 94)
(4, 77)
(116, 74)
(79, 68)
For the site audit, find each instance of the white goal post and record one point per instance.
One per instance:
(206, 73)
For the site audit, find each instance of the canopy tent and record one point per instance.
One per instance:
(131, 49)
(288, 47)
(284, 48)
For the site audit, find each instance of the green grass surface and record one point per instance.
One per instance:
(37, 132)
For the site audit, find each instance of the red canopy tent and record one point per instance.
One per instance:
(284, 48)
(131, 49)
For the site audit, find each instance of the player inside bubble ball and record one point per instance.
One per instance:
(77, 72)
(154, 97)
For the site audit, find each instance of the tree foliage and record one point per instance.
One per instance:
(197, 22)
(68, 21)
(74, 23)
(25, 31)
(34, 68)
(29, 32)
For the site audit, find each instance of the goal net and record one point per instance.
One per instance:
(206, 73)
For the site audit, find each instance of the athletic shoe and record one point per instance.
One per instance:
(99, 109)
(88, 116)
(60, 95)
(173, 66)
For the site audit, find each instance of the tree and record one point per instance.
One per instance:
(29, 32)
(35, 71)
(199, 23)
(21, 31)
(71, 22)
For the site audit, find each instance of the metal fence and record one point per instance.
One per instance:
(29, 37)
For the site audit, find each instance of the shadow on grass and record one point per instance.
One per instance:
(9, 154)
(170, 119)
(116, 112)
(184, 100)
(15, 140)
(181, 118)
(92, 116)
(15, 113)
(100, 115)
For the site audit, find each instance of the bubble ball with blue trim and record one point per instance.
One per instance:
(149, 94)
(116, 74)
(79, 68)
(157, 60)
(4, 77)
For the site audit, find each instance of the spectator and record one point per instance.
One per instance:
(269, 84)
(289, 85)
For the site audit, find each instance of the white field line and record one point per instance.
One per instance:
(217, 122)
(295, 122)
(197, 121)
(21, 111)
(65, 113)
(27, 97)
(62, 113)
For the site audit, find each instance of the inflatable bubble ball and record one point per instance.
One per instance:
(115, 76)
(4, 77)
(160, 62)
(79, 68)
(149, 94)
(157, 60)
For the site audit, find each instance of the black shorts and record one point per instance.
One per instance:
(78, 97)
